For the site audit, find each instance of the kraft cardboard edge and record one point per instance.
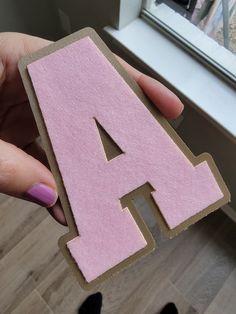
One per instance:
(144, 190)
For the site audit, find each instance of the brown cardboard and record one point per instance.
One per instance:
(126, 201)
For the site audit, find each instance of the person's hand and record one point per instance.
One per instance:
(21, 173)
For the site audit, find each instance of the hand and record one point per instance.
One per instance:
(22, 170)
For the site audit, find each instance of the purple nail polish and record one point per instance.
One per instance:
(41, 194)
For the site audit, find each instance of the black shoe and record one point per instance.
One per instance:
(183, 2)
(169, 308)
(92, 305)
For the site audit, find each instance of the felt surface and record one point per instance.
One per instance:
(76, 84)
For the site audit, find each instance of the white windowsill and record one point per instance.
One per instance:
(194, 37)
(203, 88)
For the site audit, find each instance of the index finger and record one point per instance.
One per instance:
(165, 100)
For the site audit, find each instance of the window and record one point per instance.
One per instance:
(207, 28)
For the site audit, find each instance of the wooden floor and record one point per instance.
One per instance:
(196, 270)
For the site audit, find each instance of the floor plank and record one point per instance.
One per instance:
(17, 219)
(207, 273)
(33, 303)
(225, 300)
(61, 291)
(31, 260)
(196, 270)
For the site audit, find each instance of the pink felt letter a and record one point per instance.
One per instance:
(76, 85)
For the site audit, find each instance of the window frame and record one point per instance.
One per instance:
(161, 23)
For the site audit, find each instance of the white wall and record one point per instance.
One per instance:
(99, 13)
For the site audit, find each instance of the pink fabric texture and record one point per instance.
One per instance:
(75, 85)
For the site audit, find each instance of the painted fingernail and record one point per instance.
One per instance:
(42, 195)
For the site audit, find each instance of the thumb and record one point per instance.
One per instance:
(24, 177)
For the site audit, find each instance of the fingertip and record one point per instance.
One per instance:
(57, 213)
(163, 98)
(175, 109)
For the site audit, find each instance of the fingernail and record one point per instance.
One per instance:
(42, 195)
